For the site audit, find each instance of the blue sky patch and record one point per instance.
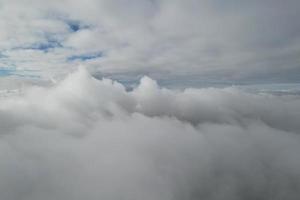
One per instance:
(42, 46)
(84, 57)
(7, 71)
(12, 71)
(45, 46)
(76, 26)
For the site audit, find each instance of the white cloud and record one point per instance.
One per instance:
(85, 138)
(72, 136)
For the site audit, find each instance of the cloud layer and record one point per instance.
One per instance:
(84, 138)
(236, 41)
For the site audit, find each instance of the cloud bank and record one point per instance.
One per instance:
(84, 138)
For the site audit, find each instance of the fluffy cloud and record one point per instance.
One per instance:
(234, 41)
(72, 136)
(84, 138)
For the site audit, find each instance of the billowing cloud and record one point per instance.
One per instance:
(84, 138)
(81, 136)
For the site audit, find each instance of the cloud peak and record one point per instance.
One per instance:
(90, 138)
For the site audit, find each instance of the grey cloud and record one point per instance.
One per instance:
(237, 41)
(84, 138)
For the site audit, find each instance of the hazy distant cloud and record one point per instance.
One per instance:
(84, 138)
(223, 41)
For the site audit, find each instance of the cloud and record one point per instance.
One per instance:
(84, 138)
(236, 41)
(72, 136)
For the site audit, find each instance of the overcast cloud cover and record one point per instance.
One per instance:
(207, 40)
(206, 106)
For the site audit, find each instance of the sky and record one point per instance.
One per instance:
(237, 42)
(149, 100)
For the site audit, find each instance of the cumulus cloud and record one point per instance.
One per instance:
(84, 138)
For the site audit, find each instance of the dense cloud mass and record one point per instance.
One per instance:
(79, 136)
(84, 138)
